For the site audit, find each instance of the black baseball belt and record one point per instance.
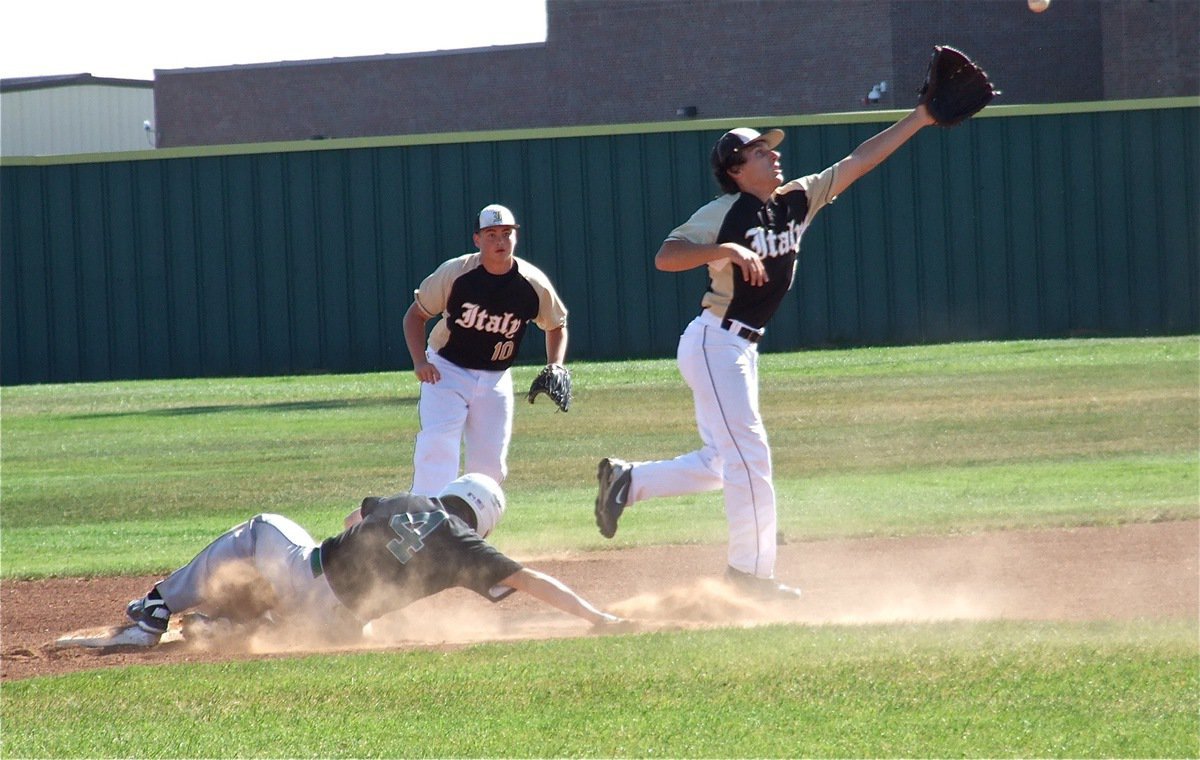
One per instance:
(741, 330)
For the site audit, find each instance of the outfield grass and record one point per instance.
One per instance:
(135, 477)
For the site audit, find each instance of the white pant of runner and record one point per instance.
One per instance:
(722, 371)
(269, 549)
(468, 406)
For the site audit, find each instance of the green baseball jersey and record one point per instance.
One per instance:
(406, 548)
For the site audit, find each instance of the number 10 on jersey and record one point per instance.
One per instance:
(503, 351)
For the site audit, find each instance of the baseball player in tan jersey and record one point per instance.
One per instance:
(485, 301)
(748, 239)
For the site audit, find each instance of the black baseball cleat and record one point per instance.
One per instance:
(150, 613)
(614, 477)
(760, 589)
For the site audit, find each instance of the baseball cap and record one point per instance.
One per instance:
(735, 139)
(495, 215)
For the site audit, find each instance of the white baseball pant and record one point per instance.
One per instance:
(722, 371)
(268, 549)
(470, 406)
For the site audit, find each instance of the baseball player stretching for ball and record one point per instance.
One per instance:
(485, 301)
(394, 551)
(749, 239)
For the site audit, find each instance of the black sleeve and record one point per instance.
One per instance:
(488, 566)
(401, 502)
(369, 505)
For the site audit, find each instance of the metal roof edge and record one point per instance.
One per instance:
(348, 59)
(20, 84)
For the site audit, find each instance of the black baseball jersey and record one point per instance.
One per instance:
(406, 548)
(484, 315)
(772, 230)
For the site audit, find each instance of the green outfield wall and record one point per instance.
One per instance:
(283, 258)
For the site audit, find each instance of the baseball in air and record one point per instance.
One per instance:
(1037, 6)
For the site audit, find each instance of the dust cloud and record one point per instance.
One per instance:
(457, 617)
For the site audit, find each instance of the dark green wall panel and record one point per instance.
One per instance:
(65, 310)
(304, 260)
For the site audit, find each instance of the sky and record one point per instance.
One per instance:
(127, 40)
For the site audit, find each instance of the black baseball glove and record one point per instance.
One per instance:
(555, 381)
(955, 87)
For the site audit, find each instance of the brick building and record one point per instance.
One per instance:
(635, 61)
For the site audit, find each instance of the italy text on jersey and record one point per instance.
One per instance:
(768, 244)
(475, 317)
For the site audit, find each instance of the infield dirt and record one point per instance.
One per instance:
(1130, 572)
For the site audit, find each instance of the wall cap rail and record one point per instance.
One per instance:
(548, 133)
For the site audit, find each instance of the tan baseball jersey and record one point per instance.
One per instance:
(484, 316)
(772, 230)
